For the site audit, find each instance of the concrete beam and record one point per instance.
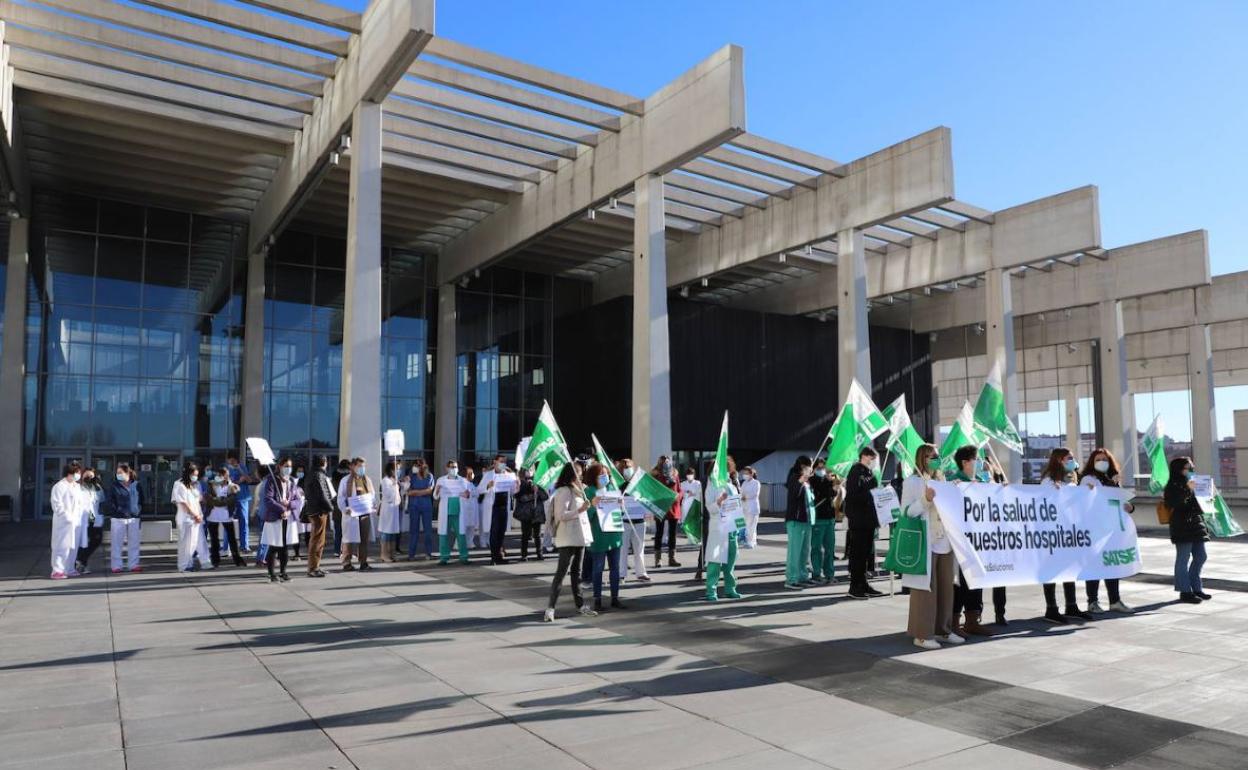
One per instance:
(697, 112)
(913, 175)
(1056, 226)
(393, 34)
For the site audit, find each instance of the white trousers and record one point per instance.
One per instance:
(634, 543)
(126, 530)
(65, 537)
(190, 535)
(751, 530)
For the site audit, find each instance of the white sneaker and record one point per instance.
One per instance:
(1118, 606)
(926, 644)
(588, 611)
(950, 638)
(1095, 607)
(549, 615)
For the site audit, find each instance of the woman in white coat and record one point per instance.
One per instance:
(356, 529)
(390, 521)
(190, 516)
(931, 595)
(569, 522)
(452, 493)
(751, 489)
(67, 515)
(721, 537)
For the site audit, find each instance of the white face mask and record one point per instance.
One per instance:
(628, 473)
(500, 467)
(452, 471)
(1102, 466)
(194, 477)
(123, 478)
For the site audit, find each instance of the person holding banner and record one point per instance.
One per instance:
(1060, 470)
(1187, 531)
(726, 517)
(496, 489)
(451, 492)
(390, 518)
(972, 469)
(860, 511)
(478, 528)
(799, 520)
(1101, 470)
(825, 487)
(665, 472)
(357, 497)
(569, 524)
(277, 506)
(750, 491)
(931, 595)
(606, 542)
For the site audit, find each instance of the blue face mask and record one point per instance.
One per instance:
(1071, 466)
(286, 471)
(359, 471)
(1187, 472)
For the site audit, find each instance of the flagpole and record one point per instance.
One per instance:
(995, 459)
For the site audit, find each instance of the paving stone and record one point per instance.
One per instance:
(1101, 737)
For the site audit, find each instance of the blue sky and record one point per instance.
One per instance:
(1144, 99)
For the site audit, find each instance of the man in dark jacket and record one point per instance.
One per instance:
(344, 469)
(860, 513)
(318, 504)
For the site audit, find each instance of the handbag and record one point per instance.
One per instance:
(907, 546)
(1164, 512)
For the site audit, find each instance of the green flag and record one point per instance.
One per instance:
(1221, 522)
(692, 522)
(615, 481)
(858, 423)
(652, 494)
(903, 439)
(719, 470)
(990, 416)
(547, 452)
(962, 433)
(1155, 449)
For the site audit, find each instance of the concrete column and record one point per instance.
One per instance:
(1200, 383)
(359, 427)
(1070, 396)
(999, 337)
(253, 352)
(13, 365)
(446, 401)
(652, 370)
(1241, 449)
(1118, 406)
(854, 351)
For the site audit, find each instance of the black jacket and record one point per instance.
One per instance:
(795, 508)
(825, 493)
(529, 498)
(116, 502)
(859, 505)
(1187, 522)
(318, 495)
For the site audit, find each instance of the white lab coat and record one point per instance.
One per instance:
(633, 544)
(443, 496)
(67, 521)
(718, 533)
(690, 491)
(390, 522)
(750, 491)
(190, 531)
(487, 501)
(915, 505)
(351, 524)
(470, 514)
(272, 534)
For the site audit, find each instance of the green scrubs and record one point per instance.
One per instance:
(797, 558)
(452, 530)
(822, 548)
(715, 569)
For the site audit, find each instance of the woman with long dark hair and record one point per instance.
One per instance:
(1101, 470)
(186, 498)
(799, 520)
(568, 523)
(1060, 470)
(1187, 531)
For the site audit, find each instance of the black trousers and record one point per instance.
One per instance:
(530, 528)
(95, 536)
(970, 599)
(1093, 589)
(859, 550)
(337, 531)
(569, 566)
(1050, 595)
(277, 552)
(498, 526)
(671, 537)
(214, 542)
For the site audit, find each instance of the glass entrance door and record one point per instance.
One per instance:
(157, 472)
(51, 470)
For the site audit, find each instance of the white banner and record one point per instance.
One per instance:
(1016, 534)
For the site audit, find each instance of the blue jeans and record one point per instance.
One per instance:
(242, 512)
(1189, 558)
(420, 521)
(611, 560)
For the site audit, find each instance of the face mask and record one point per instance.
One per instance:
(821, 472)
(286, 472)
(452, 471)
(1102, 466)
(299, 475)
(209, 475)
(602, 481)
(194, 477)
(359, 471)
(746, 477)
(628, 473)
(870, 463)
(499, 467)
(689, 477)
(1071, 466)
(1187, 472)
(667, 467)
(123, 478)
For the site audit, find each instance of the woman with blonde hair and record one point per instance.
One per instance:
(931, 595)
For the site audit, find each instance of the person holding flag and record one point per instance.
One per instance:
(664, 472)
(799, 519)
(860, 511)
(823, 535)
(692, 513)
(604, 547)
(568, 522)
(636, 517)
(726, 518)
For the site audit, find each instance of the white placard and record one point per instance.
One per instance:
(731, 515)
(887, 506)
(360, 505)
(610, 508)
(394, 442)
(506, 482)
(1203, 486)
(261, 450)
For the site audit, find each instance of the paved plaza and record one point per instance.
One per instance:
(419, 666)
